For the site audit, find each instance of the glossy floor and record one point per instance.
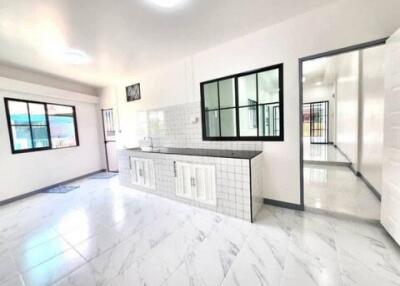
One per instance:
(337, 189)
(323, 153)
(103, 234)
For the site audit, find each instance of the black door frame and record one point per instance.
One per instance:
(313, 57)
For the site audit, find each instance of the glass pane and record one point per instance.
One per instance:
(228, 122)
(37, 113)
(21, 137)
(268, 86)
(212, 123)
(247, 90)
(40, 137)
(62, 126)
(18, 113)
(268, 115)
(248, 121)
(227, 93)
(211, 95)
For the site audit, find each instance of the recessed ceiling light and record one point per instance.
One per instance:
(76, 57)
(167, 3)
(318, 83)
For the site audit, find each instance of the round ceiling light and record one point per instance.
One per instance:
(167, 3)
(75, 57)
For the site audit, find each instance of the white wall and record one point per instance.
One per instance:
(323, 93)
(26, 172)
(372, 121)
(341, 24)
(347, 108)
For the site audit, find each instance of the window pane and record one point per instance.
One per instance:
(247, 90)
(228, 122)
(212, 123)
(268, 86)
(248, 121)
(21, 137)
(18, 113)
(227, 93)
(37, 113)
(40, 136)
(62, 126)
(211, 95)
(269, 119)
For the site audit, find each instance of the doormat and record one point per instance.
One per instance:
(61, 189)
(104, 175)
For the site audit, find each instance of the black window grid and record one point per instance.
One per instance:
(237, 107)
(30, 125)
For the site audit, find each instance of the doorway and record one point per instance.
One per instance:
(110, 144)
(335, 157)
(316, 122)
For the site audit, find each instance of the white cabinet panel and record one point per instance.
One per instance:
(196, 182)
(142, 172)
(184, 180)
(204, 187)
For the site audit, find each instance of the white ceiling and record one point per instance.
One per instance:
(125, 36)
(325, 71)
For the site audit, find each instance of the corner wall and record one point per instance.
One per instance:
(27, 172)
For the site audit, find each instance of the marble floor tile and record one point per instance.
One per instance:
(106, 235)
(35, 256)
(337, 189)
(15, 281)
(54, 269)
(323, 153)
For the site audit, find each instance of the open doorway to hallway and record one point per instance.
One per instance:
(342, 131)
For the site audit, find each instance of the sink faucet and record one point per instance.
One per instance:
(151, 140)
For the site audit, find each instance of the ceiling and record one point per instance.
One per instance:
(126, 36)
(324, 71)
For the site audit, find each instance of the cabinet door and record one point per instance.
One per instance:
(133, 170)
(142, 172)
(183, 180)
(204, 184)
(148, 174)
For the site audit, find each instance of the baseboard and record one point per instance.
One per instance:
(370, 187)
(20, 197)
(342, 215)
(283, 204)
(329, 163)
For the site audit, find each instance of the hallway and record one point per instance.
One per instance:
(337, 189)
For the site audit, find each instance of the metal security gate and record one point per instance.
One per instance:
(316, 122)
(109, 140)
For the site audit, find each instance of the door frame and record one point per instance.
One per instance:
(352, 48)
(105, 137)
(326, 120)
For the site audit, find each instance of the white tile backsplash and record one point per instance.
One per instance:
(180, 126)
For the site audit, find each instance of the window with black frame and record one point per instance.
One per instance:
(246, 106)
(36, 126)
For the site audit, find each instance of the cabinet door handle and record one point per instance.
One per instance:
(175, 169)
(193, 182)
(141, 172)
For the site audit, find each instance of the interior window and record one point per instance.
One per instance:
(247, 106)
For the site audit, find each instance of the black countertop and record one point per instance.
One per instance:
(232, 154)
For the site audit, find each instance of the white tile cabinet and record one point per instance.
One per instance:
(195, 182)
(230, 186)
(142, 172)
